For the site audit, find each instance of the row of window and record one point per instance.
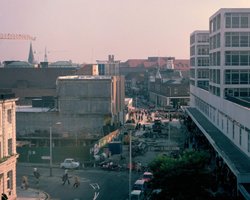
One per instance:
(237, 76)
(237, 39)
(215, 23)
(237, 92)
(203, 84)
(214, 90)
(237, 58)
(200, 38)
(214, 41)
(237, 20)
(214, 76)
(203, 73)
(215, 58)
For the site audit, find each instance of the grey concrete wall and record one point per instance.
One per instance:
(71, 124)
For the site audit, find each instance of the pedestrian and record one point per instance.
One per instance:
(65, 177)
(4, 196)
(36, 175)
(24, 184)
(76, 182)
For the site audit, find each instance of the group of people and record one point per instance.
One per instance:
(65, 178)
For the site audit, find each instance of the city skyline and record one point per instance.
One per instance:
(86, 31)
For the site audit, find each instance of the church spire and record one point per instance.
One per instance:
(31, 55)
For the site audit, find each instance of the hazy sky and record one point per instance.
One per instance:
(90, 30)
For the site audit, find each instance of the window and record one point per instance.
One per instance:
(9, 117)
(10, 180)
(10, 152)
(235, 21)
(244, 21)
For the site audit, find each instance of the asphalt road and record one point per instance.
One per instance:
(96, 184)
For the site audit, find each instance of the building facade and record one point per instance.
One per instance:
(8, 155)
(199, 59)
(111, 67)
(86, 107)
(221, 110)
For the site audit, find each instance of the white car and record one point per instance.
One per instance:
(70, 163)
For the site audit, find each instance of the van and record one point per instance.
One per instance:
(140, 185)
(137, 195)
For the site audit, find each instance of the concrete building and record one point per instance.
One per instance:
(221, 111)
(199, 59)
(111, 67)
(8, 155)
(88, 107)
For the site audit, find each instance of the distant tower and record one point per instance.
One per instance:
(31, 55)
(45, 56)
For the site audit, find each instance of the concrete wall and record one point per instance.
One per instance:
(71, 124)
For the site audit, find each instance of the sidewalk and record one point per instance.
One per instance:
(31, 194)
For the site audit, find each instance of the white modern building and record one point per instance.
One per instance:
(199, 59)
(8, 155)
(221, 110)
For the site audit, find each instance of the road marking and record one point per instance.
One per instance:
(96, 195)
(95, 186)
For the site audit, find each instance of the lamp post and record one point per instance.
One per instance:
(50, 148)
(130, 127)
(50, 151)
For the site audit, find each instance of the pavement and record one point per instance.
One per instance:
(31, 194)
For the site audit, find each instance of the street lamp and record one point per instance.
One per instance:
(50, 148)
(130, 127)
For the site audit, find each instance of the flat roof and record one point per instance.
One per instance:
(236, 160)
(80, 77)
(31, 109)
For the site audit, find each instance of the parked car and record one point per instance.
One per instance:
(147, 176)
(137, 195)
(70, 163)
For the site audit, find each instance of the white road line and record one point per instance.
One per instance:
(96, 195)
(95, 186)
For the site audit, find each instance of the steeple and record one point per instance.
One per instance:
(45, 56)
(31, 55)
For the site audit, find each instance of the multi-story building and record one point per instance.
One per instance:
(8, 155)
(86, 106)
(221, 111)
(199, 59)
(111, 67)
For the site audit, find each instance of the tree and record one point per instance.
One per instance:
(185, 177)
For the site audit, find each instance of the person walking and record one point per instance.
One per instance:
(77, 182)
(65, 177)
(36, 175)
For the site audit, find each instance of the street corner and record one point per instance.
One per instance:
(31, 193)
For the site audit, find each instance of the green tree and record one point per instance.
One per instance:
(185, 177)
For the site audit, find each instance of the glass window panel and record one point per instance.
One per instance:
(228, 40)
(244, 77)
(243, 58)
(228, 20)
(244, 21)
(235, 58)
(228, 58)
(235, 40)
(235, 21)
(235, 78)
(244, 40)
